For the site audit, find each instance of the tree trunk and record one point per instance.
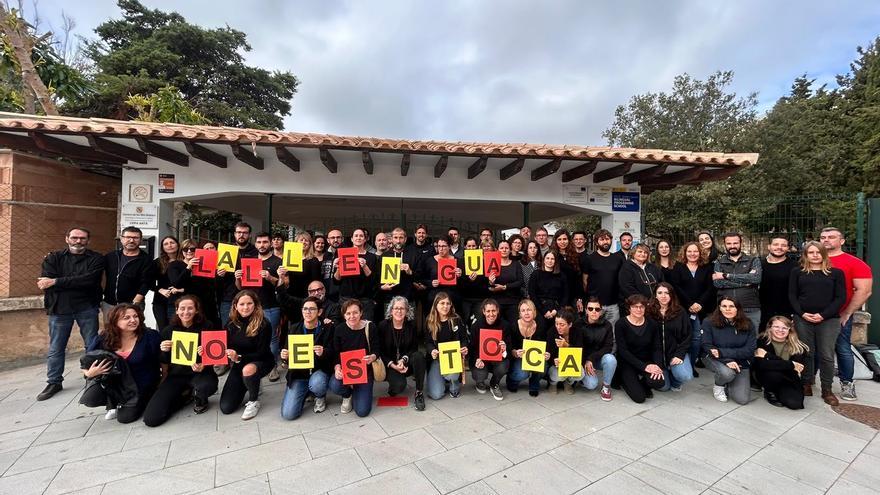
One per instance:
(22, 46)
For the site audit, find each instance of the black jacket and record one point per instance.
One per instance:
(697, 288)
(731, 345)
(598, 340)
(676, 336)
(397, 344)
(474, 347)
(638, 346)
(77, 281)
(125, 280)
(323, 337)
(636, 280)
(771, 363)
(742, 279)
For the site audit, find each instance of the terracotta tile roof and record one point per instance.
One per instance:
(116, 128)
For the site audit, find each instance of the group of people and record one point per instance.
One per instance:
(644, 321)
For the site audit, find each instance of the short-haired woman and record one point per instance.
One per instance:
(640, 351)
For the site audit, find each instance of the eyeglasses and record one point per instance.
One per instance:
(780, 327)
(398, 309)
(596, 310)
(189, 249)
(315, 291)
(78, 238)
(309, 309)
(637, 306)
(131, 238)
(242, 232)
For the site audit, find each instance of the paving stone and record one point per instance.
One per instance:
(185, 478)
(824, 441)
(100, 470)
(393, 452)
(310, 478)
(590, 462)
(261, 459)
(74, 428)
(621, 483)
(663, 480)
(58, 453)
(846, 487)
(258, 485)
(188, 449)
(463, 430)
(751, 477)
(804, 465)
(516, 413)
(462, 466)
(478, 488)
(524, 442)
(330, 440)
(541, 474)
(863, 471)
(632, 437)
(33, 482)
(397, 420)
(405, 479)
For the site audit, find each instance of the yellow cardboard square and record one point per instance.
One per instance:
(227, 256)
(533, 355)
(292, 258)
(390, 270)
(473, 261)
(183, 348)
(301, 351)
(450, 357)
(570, 362)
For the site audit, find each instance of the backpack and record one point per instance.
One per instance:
(867, 362)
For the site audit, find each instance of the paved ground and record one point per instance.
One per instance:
(676, 443)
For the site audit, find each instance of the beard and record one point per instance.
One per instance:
(604, 247)
(733, 252)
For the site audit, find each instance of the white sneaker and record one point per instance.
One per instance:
(346, 405)
(675, 389)
(251, 408)
(320, 405)
(719, 393)
(111, 414)
(848, 391)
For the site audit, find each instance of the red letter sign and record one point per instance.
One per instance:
(214, 347)
(250, 272)
(354, 369)
(446, 271)
(207, 265)
(492, 259)
(490, 344)
(348, 262)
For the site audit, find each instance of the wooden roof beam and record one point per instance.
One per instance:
(477, 167)
(286, 157)
(328, 160)
(579, 171)
(675, 178)
(404, 164)
(162, 152)
(546, 169)
(512, 168)
(113, 148)
(247, 156)
(368, 162)
(70, 150)
(647, 173)
(440, 166)
(613, 172)
(205, 155)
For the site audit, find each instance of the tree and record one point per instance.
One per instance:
(147, 50)
(168, 105)
(860, 91)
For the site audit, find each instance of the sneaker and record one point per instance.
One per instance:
(221, 369)
(568, 388)
(676, 388)
(345, 408)
(497, 394)
(320, 405)
(482, 388)
(829, 398)
(419, 401)
(50, 390)
(455, 394)
(111, 414)
(251, 408)
(274, 375)
(848, 391)
(605, 393)
(200, 405)
(771, 398)
(533, 393)
(719, 393)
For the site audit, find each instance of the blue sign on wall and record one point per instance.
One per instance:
(624, 201)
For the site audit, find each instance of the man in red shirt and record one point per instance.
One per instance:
(859, 280)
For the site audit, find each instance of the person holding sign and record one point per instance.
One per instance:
(675, 335)
(181, 382)
(506, 287)
(527, 327)
(406, 260)
(548, 288)
(444, 326)
(598, 348)
(566, 336)
(180, 274)
(135, 361)
(640, 349)
(569, 265)
(363, 285)
(431, 274)
(227, 264)
(248, 335)
(473, 286)
(302, 379)
(488, 349)
(266, 268)
(400, 350)
(358, 335)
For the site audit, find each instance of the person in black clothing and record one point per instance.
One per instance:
(528, 326)
(297, 282)
(640, 352)
(248, 334)
(71, 282)
(600, 271)
(300, 382)
(408, 265)
(428, 273)
(473, 289)
(637, 276)
(328, 264)
(180, 381)
(776, 270)
(352, 335)
(598, 343)
(133, 346)
(444, 325)
(692, 279)
(363, 285)
(625, 241)
(164, 292)
(707, 244)
(817, 291)
(780, 362)
(530, 261)
(506, 288)
(566, 334)
(548, 288)
(400, 350)
(675, 336)
(266, 292)
(226, 281)
(728, 347)
(181, 279)
(128, 271)
(490, 319)
(665, 259)
(569, 265)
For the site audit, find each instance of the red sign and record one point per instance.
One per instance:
(250, 272)
(354, 369)
(446, 271)
(348, 262)
(490, 344)
(207, 264)
(492, 263)
(214, 347)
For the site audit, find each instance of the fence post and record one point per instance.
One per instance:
(873, 304)
(860, 225)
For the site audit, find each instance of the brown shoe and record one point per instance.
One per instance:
(808, 390)
(829, 398)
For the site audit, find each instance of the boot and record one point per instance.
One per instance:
(829, 397)
(808, 390)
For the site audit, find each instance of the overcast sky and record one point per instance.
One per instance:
(514, 71)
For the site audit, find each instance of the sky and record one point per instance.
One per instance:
(516, 70)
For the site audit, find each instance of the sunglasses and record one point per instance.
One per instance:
(189, 249)
(596, 310)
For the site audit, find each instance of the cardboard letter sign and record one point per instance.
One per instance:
(301, 351)
(227, 255)
(354, 369)
(348, 262)
(250, 276)
(293, 256)
(450, 357)
(183, 347)
(533, 355)
(446, 271)
(493, 263)
(390, 270)
(490, 344)
(570, 362)
(207, 265)
(473, 261)
(214, 347)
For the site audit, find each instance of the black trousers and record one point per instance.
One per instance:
(416, 369)
(497, 368)
(635, 382)
(97, 396)
(237, 385)
(790, 392)
(174, 392)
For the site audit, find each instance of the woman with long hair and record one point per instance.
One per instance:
(664, 259)
(692, 279)
(570, 266)
(707, 244)
(361, 286)
(780, 362)
(125, 342)
(729, 346)
(248, 335)
(506, 287)
(816, 292)
(164, 291)
(319, 247)
(640, 352)
(528, 326)
(398, 337)
(301, 382)
(205, 289)
(675, 336)
(517, 247)
(566, 334)
(182, 382)
(548, 288)
(354, 334)
(444, 325)
(530, 261)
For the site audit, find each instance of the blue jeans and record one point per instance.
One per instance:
(225, 307)
(517, 375)
(696, 338)
(608, 365)
(274, 317)
(553, 376)
(295, 393)
(60, 327)
(754, 316)
(436, 383)
(362, 395)
(676, 375)
(845, 360)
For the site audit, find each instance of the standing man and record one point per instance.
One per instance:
(600, 274)
(381, 244)
(455, 248)
(266, 292)
(128, 271)
(334, 242)
(542, 238)
(408, 257)
(229, 281)
(421, 241)
(738, 275)
(71, 285)
(775, 273)
(859, 280)
(526, 232)
(486, 235)
(626, 244)
(278, 244)
(579, 239)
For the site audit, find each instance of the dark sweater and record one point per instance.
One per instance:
(775, 278)
(772, 363)
(499, 324)
(815, 292)
(127, 277)
(548, 291)
(638, 346)
(77, 281)
(345, 339)
(676, 335)
(634, 279)
(512, 278)
(598, 340)
(143, 362)
(731, 345)
(202, 287)
(250, 349)
(449, 331)
(361, 286)
(516, 338)
(696, 288)
(575, 339)
(323, 337)
(396, 344)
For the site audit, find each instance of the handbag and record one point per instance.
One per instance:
(378, 365)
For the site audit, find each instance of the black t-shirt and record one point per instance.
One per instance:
(266, 292)
(602, 276)
(774, 288)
